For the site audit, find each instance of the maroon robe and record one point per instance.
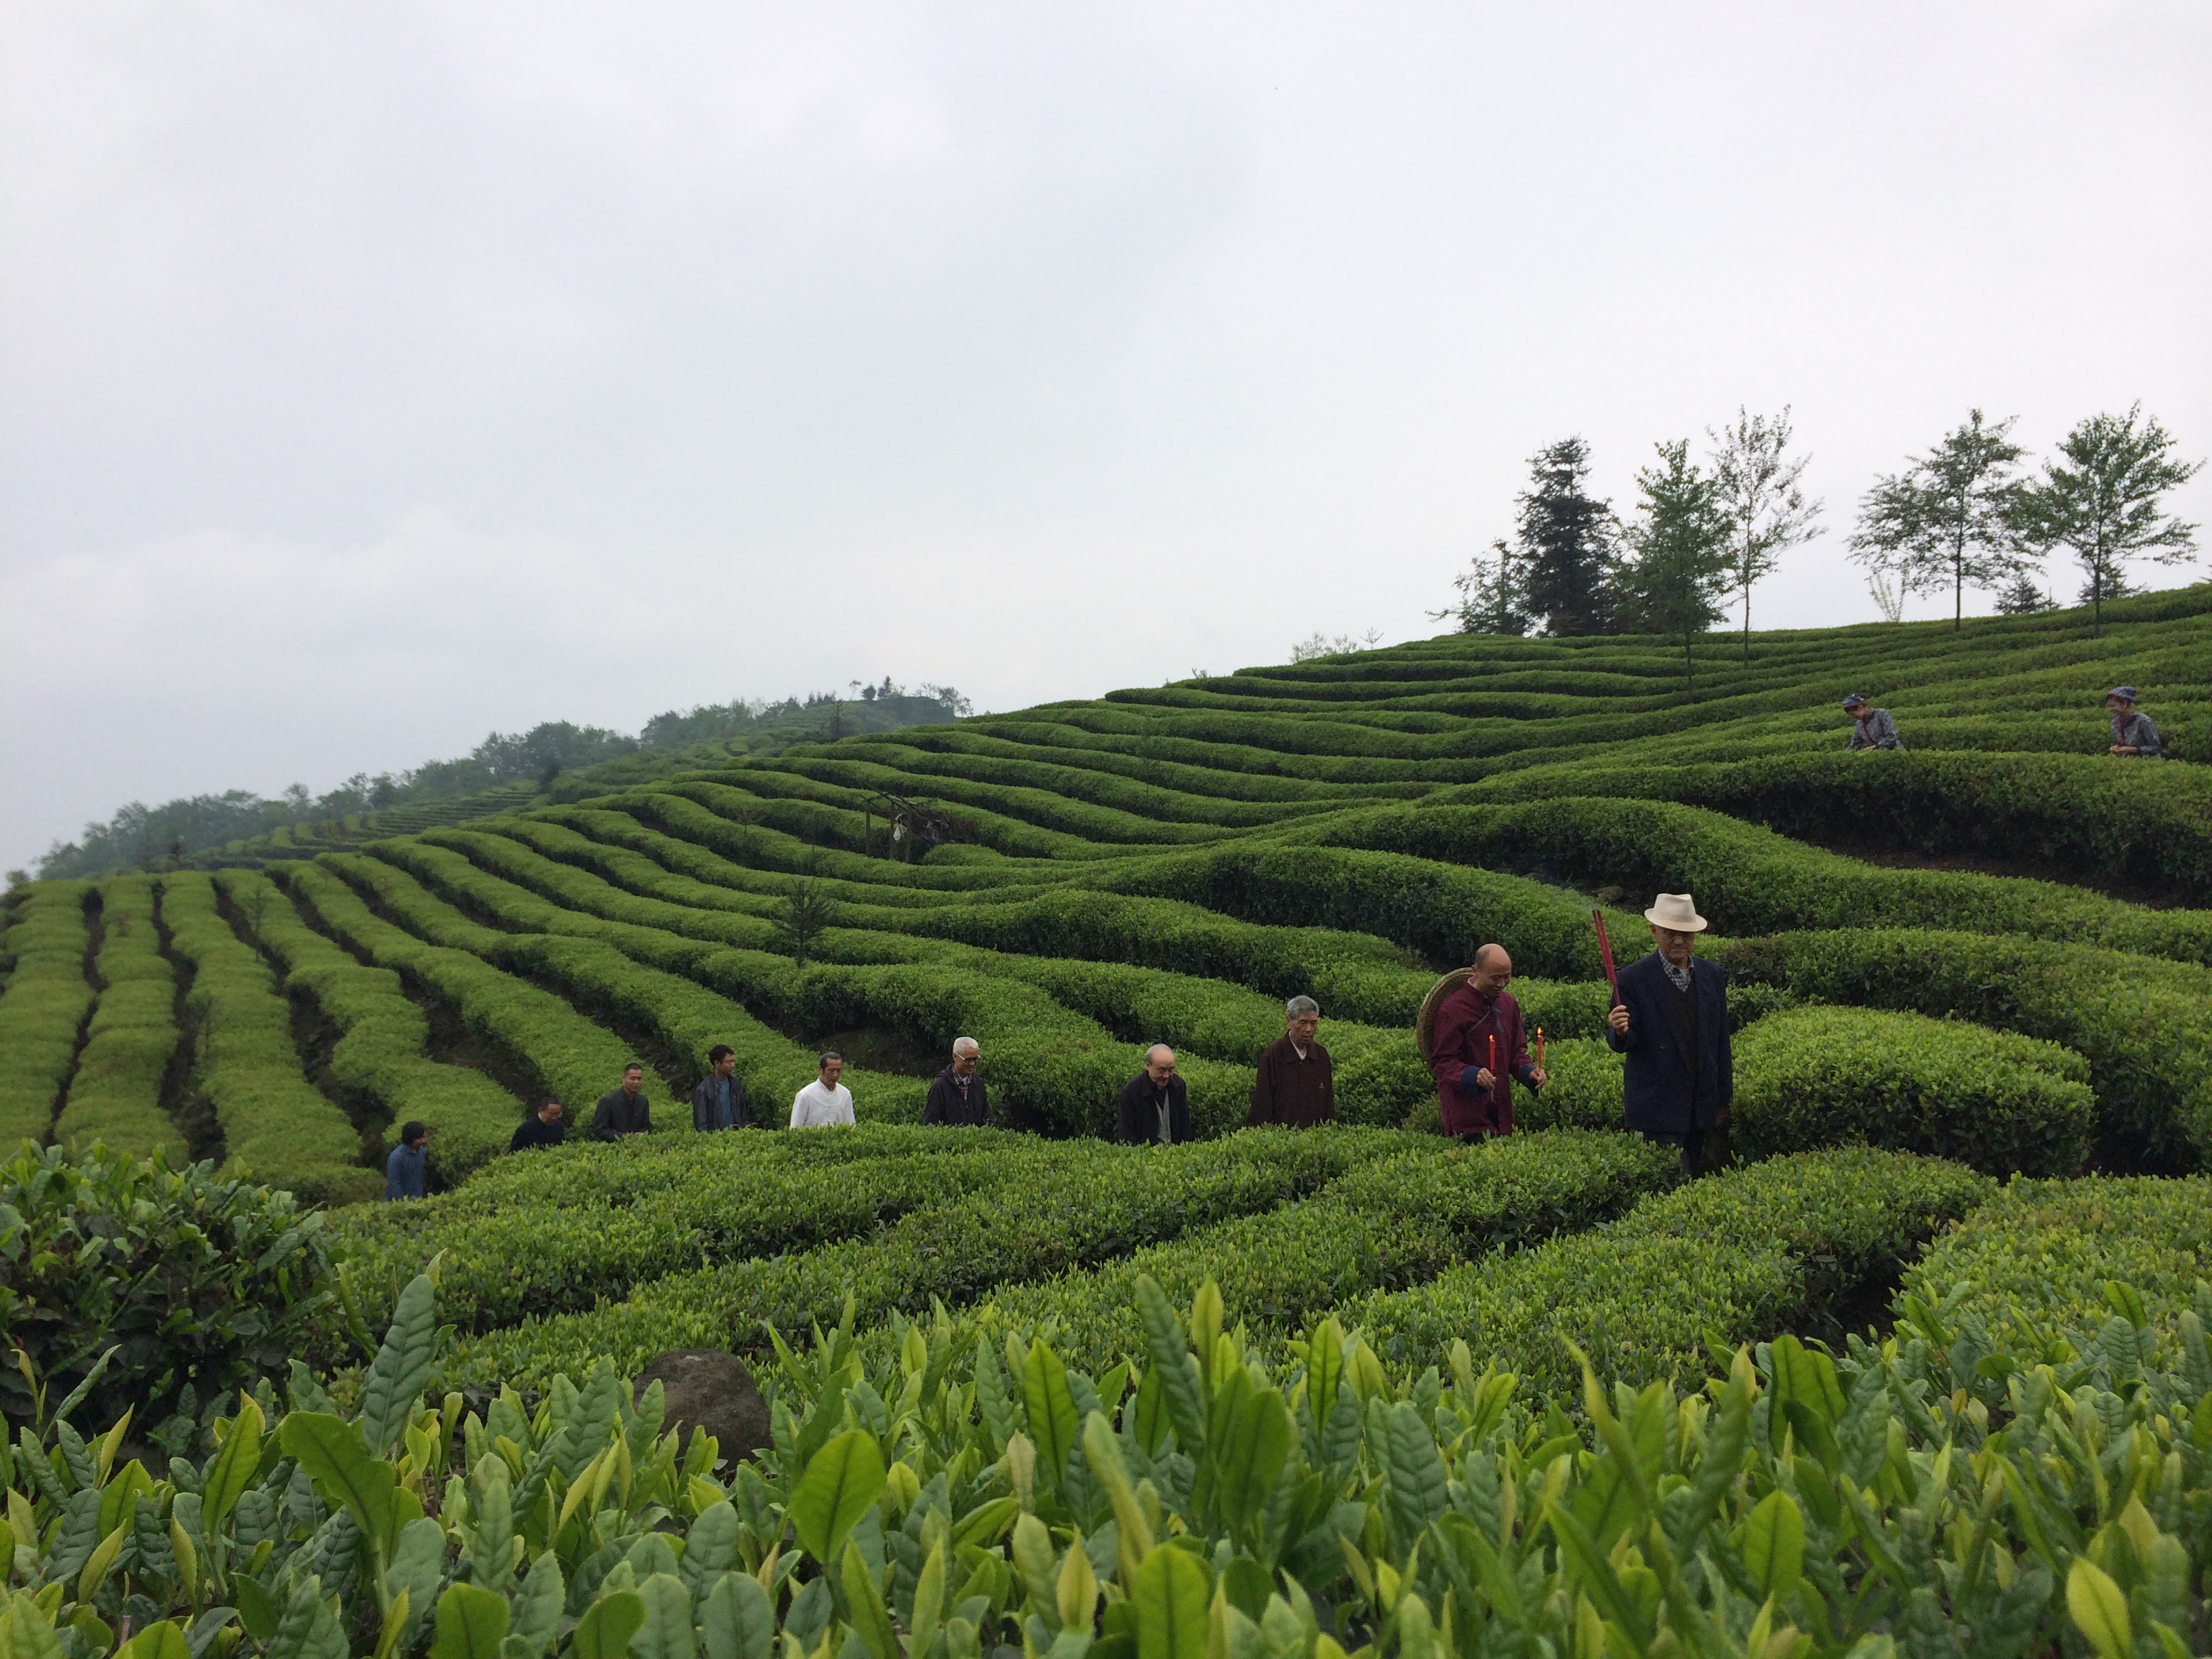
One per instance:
(1466, 1022)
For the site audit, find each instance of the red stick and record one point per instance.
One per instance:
(1605, 954)
(1539, 1048)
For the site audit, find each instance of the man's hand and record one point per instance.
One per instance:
(1536, 1076)
(1618, 1017)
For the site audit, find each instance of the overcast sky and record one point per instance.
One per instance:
(373, 376)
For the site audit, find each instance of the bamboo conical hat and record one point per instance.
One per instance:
(1425, 1024)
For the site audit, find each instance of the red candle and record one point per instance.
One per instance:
(1493, 1060)
(1539, 1048)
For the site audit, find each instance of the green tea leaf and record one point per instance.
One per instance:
(1773, 1545)
(1170, 1597)
(739, 1621)
(2100, 1610)
(841, 1480)
(471, 1621)
(666, 1633)
(1053, 1421)
(604, 1630)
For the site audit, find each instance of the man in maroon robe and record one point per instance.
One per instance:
(1476, 1046)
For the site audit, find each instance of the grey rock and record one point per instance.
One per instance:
(707, 1388)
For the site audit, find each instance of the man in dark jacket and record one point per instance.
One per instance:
(719, 1101)
(956, 1095)
(1154, 1106)
(623, 1111)
(1478, 1048)
(1295, 1084)
(543, 1127)
(1672, 1022)
(406, 1172)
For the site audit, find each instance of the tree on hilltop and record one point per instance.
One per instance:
(1683, 552)
(2102, 504)
(1493, 596)
(1565, 537)
(2022, 598)
(1758, 490)
(1949, 520)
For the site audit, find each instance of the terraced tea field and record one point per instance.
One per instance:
(2008, 967)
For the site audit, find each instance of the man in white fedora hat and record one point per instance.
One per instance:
(1672, 1022)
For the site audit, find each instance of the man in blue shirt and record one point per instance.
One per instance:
(408, 1167)
(719, 1101)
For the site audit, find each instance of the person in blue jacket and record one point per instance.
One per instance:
(1672, 1022)
(407, 1168)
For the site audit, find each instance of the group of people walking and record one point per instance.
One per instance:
(1670, 1020)
(2134, 732)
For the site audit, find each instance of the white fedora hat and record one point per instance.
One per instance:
(1677, 911)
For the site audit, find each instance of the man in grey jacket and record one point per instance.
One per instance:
(719, 1101)
(1874, 730)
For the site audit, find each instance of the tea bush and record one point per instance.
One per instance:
(45, 1005)
(134, 1287)
(1996, 1101)
(115, 1094)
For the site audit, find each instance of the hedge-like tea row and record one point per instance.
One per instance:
(1108, 1201)
(44, 1008)
(2036, 1260)
(115, 1095)
(1751, 880)
(1769, 1247)
(1998, 1102)
(274, 1121)
(725, 1204)
(2145, 1026)
(1384, 1225)
(567, 1055)
(378, 1059)
(2120, 819)
(1049, 1067)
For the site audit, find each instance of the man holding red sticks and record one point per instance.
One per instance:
(1477, 1048)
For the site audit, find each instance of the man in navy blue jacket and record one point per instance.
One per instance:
(1672, 1022)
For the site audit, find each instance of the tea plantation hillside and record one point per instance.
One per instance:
(1268, 1394)
(2007, 970)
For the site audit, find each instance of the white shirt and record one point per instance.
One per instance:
(814, 1106)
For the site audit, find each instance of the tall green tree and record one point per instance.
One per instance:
(1566, 537)
(1949, 520)
(1493, 594)
(1682, 553)
(1758, 488)
(2102, 504)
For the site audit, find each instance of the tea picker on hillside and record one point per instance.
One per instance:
(407, 1170)
(825, 1101)
(1295, 1082)
(543, 1127)
(1874, 730)
(623, 1111)
(719, 1101)
(2133, 731)
(1476, 1047)
(1672, 1022)
(956, 1095)
(1154, 1107)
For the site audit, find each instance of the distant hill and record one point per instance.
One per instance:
(506, 772)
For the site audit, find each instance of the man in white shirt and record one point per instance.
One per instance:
(825, 1100)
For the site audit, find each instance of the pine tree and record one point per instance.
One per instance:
(1566, 540)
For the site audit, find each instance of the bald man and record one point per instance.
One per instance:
(1155, 1106)
(1476, 1048)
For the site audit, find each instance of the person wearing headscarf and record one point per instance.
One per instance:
(2134, 732)
(1672, 1022)
(1875, 729)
